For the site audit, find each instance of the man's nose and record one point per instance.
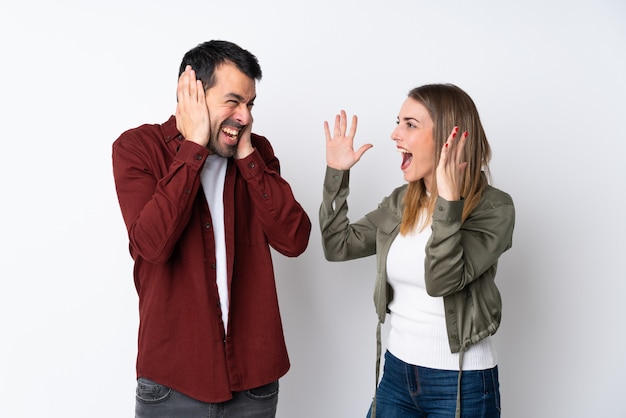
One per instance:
(243, 115)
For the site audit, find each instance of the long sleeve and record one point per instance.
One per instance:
(342, 240)
(155, 206)
(459, 253)
(283, 220)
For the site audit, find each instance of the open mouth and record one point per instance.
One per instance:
(407, 157)
(232, 134)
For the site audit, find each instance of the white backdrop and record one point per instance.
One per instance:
(547, 76)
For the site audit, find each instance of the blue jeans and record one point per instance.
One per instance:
(157, 401)
(408, 391)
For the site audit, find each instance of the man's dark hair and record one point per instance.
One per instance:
(207, 56)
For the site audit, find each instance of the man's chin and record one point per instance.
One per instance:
(222, 150)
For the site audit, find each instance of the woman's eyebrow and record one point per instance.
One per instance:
(408, 118)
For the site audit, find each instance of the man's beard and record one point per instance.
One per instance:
(222, 150)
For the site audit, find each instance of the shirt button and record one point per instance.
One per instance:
(265, 195)
(198, 157)
(251, 165)
(213, 266)
(207, 225)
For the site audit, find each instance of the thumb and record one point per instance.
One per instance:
(362, 150)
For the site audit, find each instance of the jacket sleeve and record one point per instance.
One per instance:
(156, 210)
(285, 223)
(459, 253)
(342, 240)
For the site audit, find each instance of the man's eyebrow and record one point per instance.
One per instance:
(239, 97)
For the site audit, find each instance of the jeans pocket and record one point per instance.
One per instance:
(151, 392)
(264, 392)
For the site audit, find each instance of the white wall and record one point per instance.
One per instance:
(548, 79)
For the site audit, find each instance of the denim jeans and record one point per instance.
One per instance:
(408, 391)
(157, 401)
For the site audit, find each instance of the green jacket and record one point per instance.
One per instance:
(460, 261)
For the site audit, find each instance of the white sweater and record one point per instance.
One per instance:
(418, 329)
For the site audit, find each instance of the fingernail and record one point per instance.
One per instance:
(446, 145)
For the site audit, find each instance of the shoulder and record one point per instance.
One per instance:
(496, 206)
(493, 197)
(148, 134)
(392, 204)
(395, 198)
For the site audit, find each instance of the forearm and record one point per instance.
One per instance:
(459, 253)
(284, 221)
(156, 210)
(342, 240)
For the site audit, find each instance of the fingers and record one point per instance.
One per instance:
(450, 141)
(183, 85)
(451, 166)
(454, 145)
(340, 153)
(190, 88)
(327, 131)
(443, 159)
(341, 126)
(459, 149)
(355, 121)
(192, 114)
(342, 123)
(337, 127)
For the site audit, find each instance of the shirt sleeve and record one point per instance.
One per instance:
(156, 208)
(285, 223)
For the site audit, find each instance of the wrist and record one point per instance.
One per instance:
(243, 153)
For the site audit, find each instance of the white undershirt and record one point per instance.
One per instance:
(418, 333)
(212, 179)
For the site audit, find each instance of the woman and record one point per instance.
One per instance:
(437, 239)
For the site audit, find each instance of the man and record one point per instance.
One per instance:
(203, 201)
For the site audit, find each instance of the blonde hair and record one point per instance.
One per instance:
(448, 106)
